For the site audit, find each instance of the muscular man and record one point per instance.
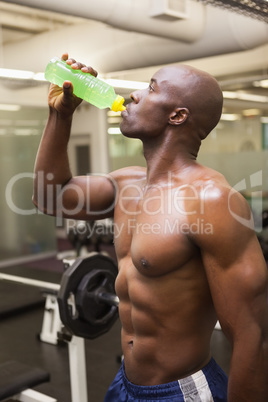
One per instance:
(186, 249)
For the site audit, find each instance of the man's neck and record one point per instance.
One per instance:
(166, 159)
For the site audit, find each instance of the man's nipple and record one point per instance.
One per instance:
(145, 263)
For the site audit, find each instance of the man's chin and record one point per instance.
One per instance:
(129, 133)
(125, 132)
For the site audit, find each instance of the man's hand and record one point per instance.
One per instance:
(62, 99)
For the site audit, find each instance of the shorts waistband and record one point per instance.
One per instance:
(183, 387)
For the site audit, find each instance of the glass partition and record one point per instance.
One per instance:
(25, 233)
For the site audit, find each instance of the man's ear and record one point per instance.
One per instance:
(178, 116)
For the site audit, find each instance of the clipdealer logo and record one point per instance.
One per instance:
(255, 182)
(165, 202)
(130, 226)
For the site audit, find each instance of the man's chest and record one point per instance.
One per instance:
(156, 242)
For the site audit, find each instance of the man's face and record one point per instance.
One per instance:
(147, 116)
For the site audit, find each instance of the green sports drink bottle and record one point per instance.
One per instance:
(85, 86)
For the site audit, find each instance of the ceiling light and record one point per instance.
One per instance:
(252, 97)
(25, 131)
(21, 74)
(262, 83)
(251, 112)
(230, 116)
(10, 108)
(245, 96)
(111, 113)
(17, 74)
(30, 75)
(39, 77)
(114, 120)
(127, 84)
(229, 94)
(114, 130)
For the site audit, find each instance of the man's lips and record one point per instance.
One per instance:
(125, 112)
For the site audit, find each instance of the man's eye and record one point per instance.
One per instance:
(151, 87)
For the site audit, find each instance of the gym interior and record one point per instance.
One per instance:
(126, 45)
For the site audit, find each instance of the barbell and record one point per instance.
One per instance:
(88, 306)
(87, 302)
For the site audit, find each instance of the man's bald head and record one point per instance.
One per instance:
(195, 90)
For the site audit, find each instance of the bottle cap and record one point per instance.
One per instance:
(118, 106)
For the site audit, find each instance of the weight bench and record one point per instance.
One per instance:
(16, 380)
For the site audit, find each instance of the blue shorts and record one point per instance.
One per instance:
(206, 385)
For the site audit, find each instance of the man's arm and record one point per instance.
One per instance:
(56, 192)
(237, 276)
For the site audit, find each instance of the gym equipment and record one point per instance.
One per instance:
(77, 367)
(51, 321)
(27, 298)
(16, 380)
(87, 306)
(52, 325)
(29, 281)
(87, 302)
(90, 282)
(82, 234)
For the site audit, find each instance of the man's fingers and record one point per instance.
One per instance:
(70, 61)
(89, 70)
(76, 65)
(67, 88)
(64, 56)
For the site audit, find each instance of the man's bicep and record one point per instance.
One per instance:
(233, 260)
(237, 276)
(87, 197)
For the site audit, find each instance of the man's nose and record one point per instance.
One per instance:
(135, 96)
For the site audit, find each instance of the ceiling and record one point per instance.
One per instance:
(20, 23)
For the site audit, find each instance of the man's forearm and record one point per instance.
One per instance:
(52, 165)
(248, 379)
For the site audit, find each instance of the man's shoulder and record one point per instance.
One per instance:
(203, 181)
(211, 183)
(128, 175)
(216, 195)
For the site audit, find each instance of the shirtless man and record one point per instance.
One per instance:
(186, 249)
